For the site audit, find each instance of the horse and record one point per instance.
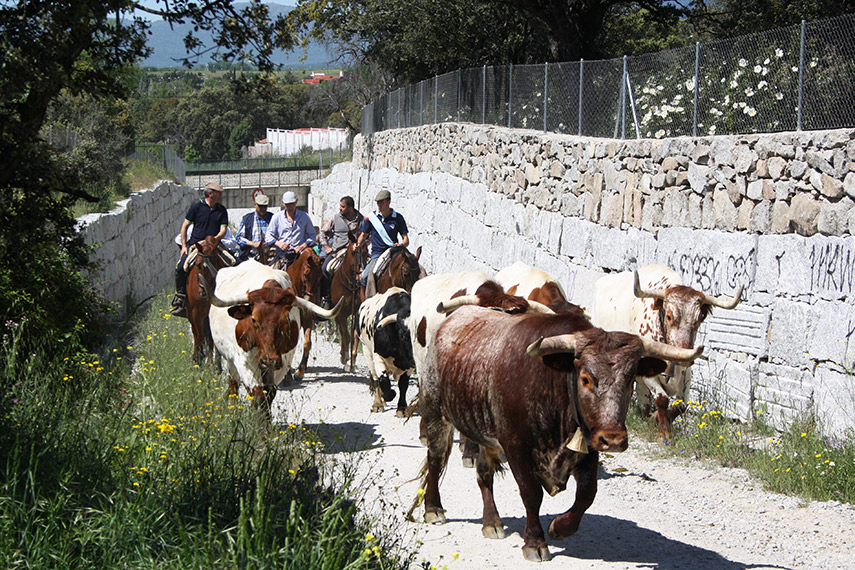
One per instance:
(402, 270)
(305, 274)
(345, 285)
(206, 264)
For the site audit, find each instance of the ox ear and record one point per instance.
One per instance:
(240, 311)
(649, 367)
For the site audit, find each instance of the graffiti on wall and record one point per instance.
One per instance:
(713, 274)
(832, 268)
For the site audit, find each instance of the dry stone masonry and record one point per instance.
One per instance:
(773, 212)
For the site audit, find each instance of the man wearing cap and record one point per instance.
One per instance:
(383, 226)
(209, 218)
(253, 228)
(291, 230)
(334, 236)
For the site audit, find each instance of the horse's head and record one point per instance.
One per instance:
(404, 268)
(207, 260)
(305, 274)
(262, 255)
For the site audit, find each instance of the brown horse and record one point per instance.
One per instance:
(305, 274)
(207, 263)
(403, 270)
(346, 286)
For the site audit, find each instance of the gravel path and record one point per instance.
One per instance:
(649, 513)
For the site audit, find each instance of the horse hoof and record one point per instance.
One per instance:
(536, 554)
(435, 517)
(423, 441)
(493, 531)
(469, 462)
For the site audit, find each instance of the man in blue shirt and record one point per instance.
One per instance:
(209, 218)
(385, 227)
(291, 230)
(253, 227)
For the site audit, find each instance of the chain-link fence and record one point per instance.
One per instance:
(795, 78)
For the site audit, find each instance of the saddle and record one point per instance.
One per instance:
(382, 262)
(336, 260)
(222, 252)
(284, 259)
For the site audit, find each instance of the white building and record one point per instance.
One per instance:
(282, 142)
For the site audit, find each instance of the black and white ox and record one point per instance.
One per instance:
(548, 390)
(255, 324)
(382, 328)
(653, 303)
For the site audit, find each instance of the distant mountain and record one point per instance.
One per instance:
(168, 45)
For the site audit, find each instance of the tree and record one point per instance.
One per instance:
(84, 47)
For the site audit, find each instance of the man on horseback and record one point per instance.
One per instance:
(291, 230)
(253, 228)
(209, 218)
(334, 237)
(384, 226)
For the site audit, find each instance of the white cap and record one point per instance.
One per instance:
(289, 197)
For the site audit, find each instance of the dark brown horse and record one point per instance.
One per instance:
(305, 274)
(207, 263)
(402, 270)
(346, 286)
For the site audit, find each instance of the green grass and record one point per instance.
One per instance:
(139, 459)
(138, 175)
(801, 462)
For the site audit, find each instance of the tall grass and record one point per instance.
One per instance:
(139, 459)
(801, 461)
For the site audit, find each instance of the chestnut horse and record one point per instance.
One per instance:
(345, 285)
(207, 262)
(305, 274)
(402, 270)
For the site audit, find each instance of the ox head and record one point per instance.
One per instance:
(490, 294)
(682, 309)
(602, 367)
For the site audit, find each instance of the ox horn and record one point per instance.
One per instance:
(451, 304)
(552, 345)
(217, 301)
(724, 301)
(645, 293)
(670, 352)
(387, 320)
(536, 307)
(319, 311)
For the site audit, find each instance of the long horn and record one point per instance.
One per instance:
(536, 307)
(387, 320)
(217, 301)
(643, 293)
(552, 345)
(451, 304)
(724, 301)
(670, 352)
(320, 311)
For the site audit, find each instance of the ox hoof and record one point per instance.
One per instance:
(493, 531)
(423, 440)
(377, 409)
(432, 517)
(469, 462)
(401, 413)
(537, 554)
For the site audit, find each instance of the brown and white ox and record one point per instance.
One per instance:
(535, 285)
(255, 323)
(549, 391)
(652, 302)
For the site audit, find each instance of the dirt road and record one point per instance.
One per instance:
(649, 513)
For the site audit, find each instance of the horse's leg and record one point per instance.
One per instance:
(308, 324)
(354, 341)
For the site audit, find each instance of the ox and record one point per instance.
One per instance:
(548, 390)
(255, 323)
(535, 285)
(653, 302)
(382, 327)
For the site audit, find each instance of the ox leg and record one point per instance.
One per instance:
(440, 436)
(403, 384)
(488, 463)
(534, 547)
(585, 473)
(663, 418)
(469, 449)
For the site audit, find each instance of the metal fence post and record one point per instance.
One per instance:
(623, 101)
(421, 102)
(581, 82)
(510, 90)
(459, 88)
(545, 91)
(484, 95)
(801, 77)
(697, 78)
(435, 96)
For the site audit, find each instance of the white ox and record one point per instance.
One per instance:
(653, 303)
(255, 323)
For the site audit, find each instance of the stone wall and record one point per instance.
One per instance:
(771, 212)
(133, 244)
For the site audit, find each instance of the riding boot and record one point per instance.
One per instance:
(179, 301)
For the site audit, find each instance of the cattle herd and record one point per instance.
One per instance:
(523, 375)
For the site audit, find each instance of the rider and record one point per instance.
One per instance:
(209, 218)
(291, 230)
(333, 236)
(253, 227)
(383, 226)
